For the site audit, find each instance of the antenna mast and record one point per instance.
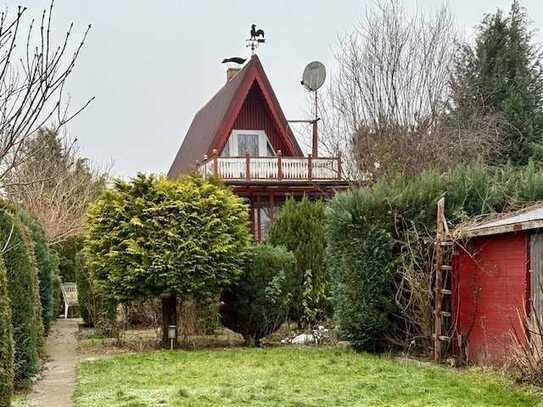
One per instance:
(313, 78)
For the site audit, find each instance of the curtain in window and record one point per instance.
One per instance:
(248, 143)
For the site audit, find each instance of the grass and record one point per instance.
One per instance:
(286, 377)
(19, 400)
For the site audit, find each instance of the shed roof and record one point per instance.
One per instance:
(525, 219)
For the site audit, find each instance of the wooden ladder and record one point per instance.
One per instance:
(442, 287)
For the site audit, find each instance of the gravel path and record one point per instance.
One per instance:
(56, 387)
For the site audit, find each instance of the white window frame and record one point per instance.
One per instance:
(263, 142)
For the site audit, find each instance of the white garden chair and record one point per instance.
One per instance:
(69, 294)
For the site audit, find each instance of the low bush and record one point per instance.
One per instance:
(257, 304)
(6, 340)
(300, 228)
(23, 288)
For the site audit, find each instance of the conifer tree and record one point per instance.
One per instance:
(501, 74)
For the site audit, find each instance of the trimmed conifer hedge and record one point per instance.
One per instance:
(376, 234)
(6, 340)
(47, 268)
(23, 288)
(57, 291)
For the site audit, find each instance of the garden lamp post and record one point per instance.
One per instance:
(172, 334)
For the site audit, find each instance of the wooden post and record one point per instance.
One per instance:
(253, 218)
(247, 166)
(339, 169)
(279, 165)
(258, 228)
(309, 166)
(272, 207)
(438, 285)
(315, 141)
(205, 166)
(215, 163)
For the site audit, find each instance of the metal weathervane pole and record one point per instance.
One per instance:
(256, 39)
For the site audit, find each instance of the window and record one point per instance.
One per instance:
(248, 143)
(253, 142)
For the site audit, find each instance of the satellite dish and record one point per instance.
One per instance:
(314, 76)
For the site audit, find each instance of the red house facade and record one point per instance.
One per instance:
(496, 286)
(242, 137)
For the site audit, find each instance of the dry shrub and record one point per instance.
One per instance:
(414, 288)
(527, 355)
(144, 314)
(438, 144)
(198, 318)
(387, 109)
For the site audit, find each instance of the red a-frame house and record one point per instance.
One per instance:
(242, 136)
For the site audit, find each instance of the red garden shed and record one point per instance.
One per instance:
(495, 285)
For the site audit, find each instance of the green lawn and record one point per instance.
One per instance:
(286, 377)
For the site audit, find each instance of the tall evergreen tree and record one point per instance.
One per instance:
(501, 74)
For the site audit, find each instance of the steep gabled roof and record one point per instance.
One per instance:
(212, 124)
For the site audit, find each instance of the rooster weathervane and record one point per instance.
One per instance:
(257, 38)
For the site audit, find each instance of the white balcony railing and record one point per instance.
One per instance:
(272, 168)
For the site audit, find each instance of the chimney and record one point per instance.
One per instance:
(231, 72)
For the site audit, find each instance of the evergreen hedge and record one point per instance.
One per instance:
(23, 288)
(6, 340)
(300, 228)
(47, 268)
(374, 233)
(68, 251)
(257, 304)
(86, 296)
(57, 290)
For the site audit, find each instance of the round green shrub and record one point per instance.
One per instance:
(159, 238)
(46, 268)
(257, 304)
(300, 228)
(23, 288)
(6, 340)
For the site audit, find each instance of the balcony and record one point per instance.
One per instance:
(272, 169)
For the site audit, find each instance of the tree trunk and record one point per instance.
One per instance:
(169, 317)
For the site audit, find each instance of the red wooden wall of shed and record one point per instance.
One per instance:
(490, 293)
(255, 116)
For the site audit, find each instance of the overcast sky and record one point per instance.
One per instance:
(152, 64)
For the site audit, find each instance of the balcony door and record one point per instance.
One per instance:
(253, 142)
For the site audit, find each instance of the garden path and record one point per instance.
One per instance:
(56, 387)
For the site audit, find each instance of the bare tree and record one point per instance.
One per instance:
(63, 185)
(386, 109)
(33, 76)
